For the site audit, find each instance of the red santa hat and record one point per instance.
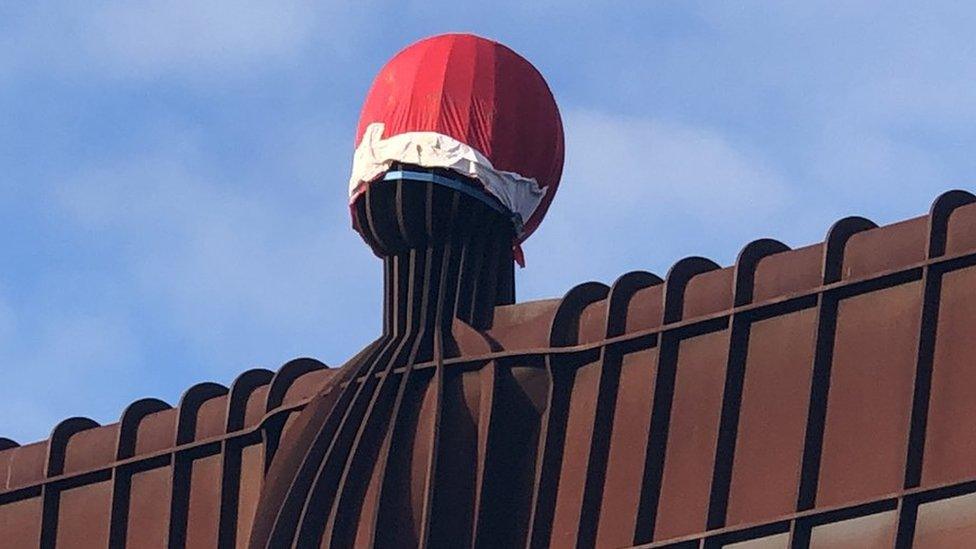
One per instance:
(470, 105)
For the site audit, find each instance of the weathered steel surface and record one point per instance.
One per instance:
(950, 437)
(131, 484)
(869, 402)
(772, 416)
(817, 397)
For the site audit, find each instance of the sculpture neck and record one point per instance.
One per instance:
(445, 255)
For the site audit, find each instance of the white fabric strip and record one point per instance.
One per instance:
(375, 155)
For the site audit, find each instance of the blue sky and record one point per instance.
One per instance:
(173, 174)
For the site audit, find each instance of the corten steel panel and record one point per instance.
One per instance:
(646, 309)
(870, 399)
(950, 444)
(480, 400)
(563, 397)
(512, 322)
(505, 503)
(255, 410)
(289, 422)
(6, 457)
(709, 292)
(455, 477)
(870, 532)
(692, 435)
(203, 511)
(156, 431)
(776, 541)
(83, 516)
(946, 523)
(788, 272)
(488, 383)
(27, 464)
(772, 417)
(593, 322)
(149, 509)
(211, 418)
(402, 495)
(882, 249)
(961, 233)
(252, 477)
(628, 446)
(91, 448)
(307, 386)
(576, 453)
(20, 522)
(364, 530)
(420, 455)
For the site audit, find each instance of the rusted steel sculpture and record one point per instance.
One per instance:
(816, 397)
(813, 397)
(355, 460)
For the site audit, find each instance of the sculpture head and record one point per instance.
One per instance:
(472, 114)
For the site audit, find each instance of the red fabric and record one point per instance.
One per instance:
(480, 93)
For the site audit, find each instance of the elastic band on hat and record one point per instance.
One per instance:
(461, 187)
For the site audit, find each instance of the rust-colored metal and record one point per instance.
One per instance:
(817, 397)
(131, 484)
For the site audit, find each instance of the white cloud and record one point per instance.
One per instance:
(639, 193)
(630, 162)
(155, 37)
(192, 41)
(247, 272)
(203, 270)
